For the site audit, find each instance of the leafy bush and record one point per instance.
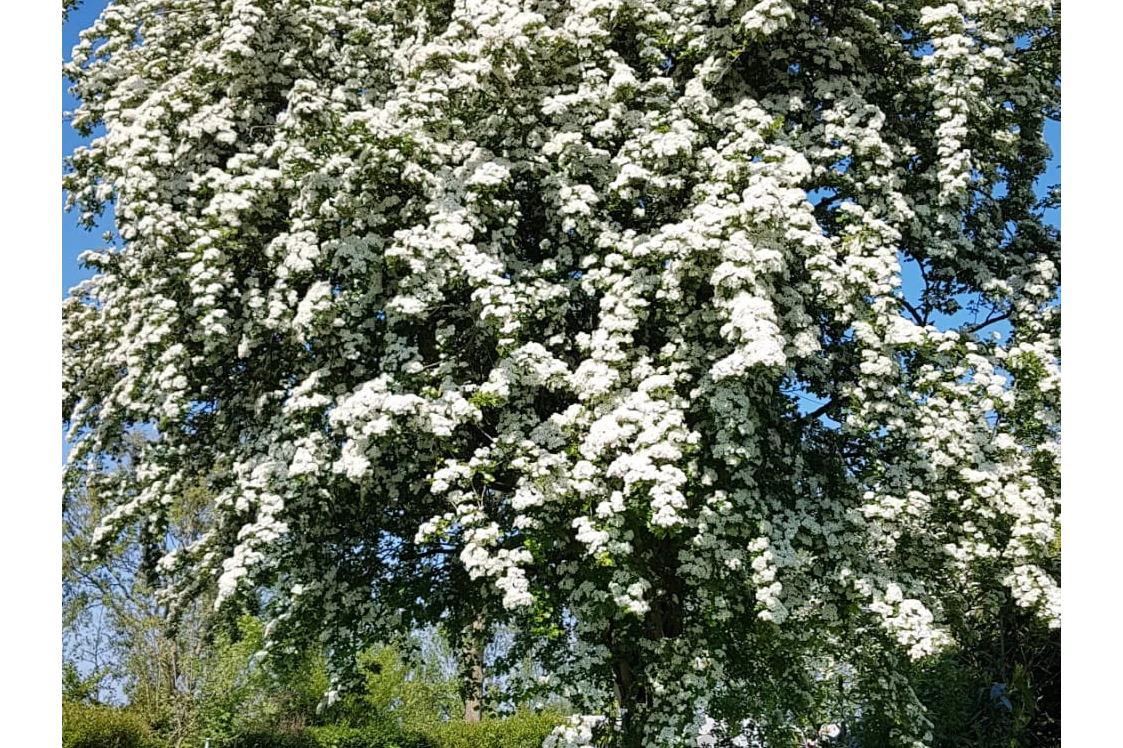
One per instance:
(1004, 689)
(86, 726)
(266, 739)
(522, 730)
(378, 735)
(244, 698)
(398, 680)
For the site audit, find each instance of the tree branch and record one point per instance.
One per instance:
(822, 409)
(912, 310)
(988, 321)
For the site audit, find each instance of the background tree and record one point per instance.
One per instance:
(118, 642)
(586, 317)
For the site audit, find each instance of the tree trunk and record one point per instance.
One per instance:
(474, 655)
(631, 696)
(664, 620)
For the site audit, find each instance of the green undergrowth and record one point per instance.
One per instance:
(86, 726)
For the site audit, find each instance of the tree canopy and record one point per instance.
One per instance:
(712, 346)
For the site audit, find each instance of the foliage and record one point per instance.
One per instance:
(190, 678)
(243, 695)
(68, 6)
(1000, 687)
(705, 345)
(89, 726)
(376, 735)
(268, 739)
(520, 730)
(79, 689)
(396, 686)
(113, 621)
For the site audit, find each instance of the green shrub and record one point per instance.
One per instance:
(378, 735)
(523, 730)
(265, 739)
(86, 726)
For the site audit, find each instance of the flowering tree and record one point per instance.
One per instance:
(713, 345)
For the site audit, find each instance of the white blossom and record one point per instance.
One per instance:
(667, 324)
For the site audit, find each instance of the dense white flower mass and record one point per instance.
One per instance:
(660, 330)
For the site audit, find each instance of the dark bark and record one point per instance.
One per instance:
(664, 620)
(474, 658)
